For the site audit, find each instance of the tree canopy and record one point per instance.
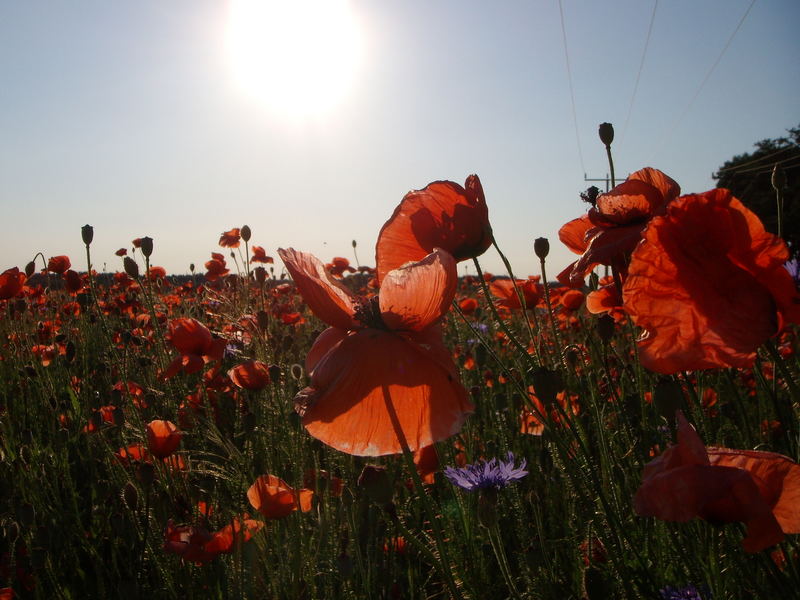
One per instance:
(749, 177)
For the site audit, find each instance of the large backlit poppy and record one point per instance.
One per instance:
(11, 282)
(442, 215)
(609, 232)
(721, 485)
(708, 285)
(275, 499)
(381, 363)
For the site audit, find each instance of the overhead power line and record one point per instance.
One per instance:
(571, 91)
(641, 66)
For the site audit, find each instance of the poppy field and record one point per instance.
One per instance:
(625, 426)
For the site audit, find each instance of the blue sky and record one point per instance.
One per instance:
(126, 116)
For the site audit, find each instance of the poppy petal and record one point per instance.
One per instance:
(322, 345)
(347, 404)
(417, 295)
(328, 299)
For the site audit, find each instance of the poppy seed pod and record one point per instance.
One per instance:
(147, 246)
(191, 267)
(131, 268)
(354, 244)
(87, 233)
(541, 246)
(245, 233)
(606, 132)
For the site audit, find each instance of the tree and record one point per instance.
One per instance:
(749, 177)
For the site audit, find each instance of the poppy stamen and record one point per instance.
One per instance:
(368, 313)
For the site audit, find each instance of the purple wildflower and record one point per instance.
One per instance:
(494, 473)
(688, 592)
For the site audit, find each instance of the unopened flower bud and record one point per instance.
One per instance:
(245, 233)
(87, 233)
(131, 268)
(274, 373)
(191, 268)
(605, 327)
(606, 132)
(541, 246)
(261, 275)
(354, 244)
(778, 178)
(30, 268)
(131, 495)
(147, 246)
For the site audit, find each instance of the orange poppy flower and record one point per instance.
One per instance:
(572, 299)
(121, 252)
(384, 349)
(721, 485)
(427, 461)
(58, 264)
(260, 256)
(196, 346)
(708, 285)
(442, 215)
(468, 305)
(609, 232)
(163, 438)
(11, 282)
(230, 239)
(216, 267)
(275, 499)
(250, 375)
(338, 266)
(224, 540)
(507, 297)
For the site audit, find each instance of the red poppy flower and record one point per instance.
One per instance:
(251, 375)
(260, 256)
(58, 264)
(196, 345)
(275, 499)
(216, 267)
(442, 215)
(163, 438)
(720, 485)
(609, 232)
(708, 285)
(381, 350)
(572, 299)
(507, 297)
(468, 305)
(338, 266)
(224, 540)
(121, 252)
(230, 239)
(427, 461)
(11, 282)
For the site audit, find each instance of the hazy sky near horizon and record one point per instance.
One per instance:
(139, 119)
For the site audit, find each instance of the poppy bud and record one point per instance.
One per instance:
(376, 484)
(191, 267)
(131, 495)
(26, 514)
(146, 474)
(87, 233)
(597, 585)
(296, 371)
(778, 178)
(274, 372)
(245, 233)
(30, 268)
(606, 132)
(261, 275)
(262, 320)
(147, 246)
(131, 268)
(354, 244)
(541, 246)
(345, 565)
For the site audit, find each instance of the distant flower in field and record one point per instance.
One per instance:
(11, 282)
(58, 264)
(250, 375)
(230, 239)
(275, 499)
(609, 232)
(689, 592)
(468, 305)
(216, 267)
(507, 296)
(495, 473)
(260, 256)
(384, 349)
(163, 438)
(427, 462)
(572, 299)
(442, 215)
(721, 485)
(194, 543)
(121, 252)
(317, 480)
(196, 346)
(708, 285)
(338, 266)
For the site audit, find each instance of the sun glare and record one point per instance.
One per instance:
(295, 57)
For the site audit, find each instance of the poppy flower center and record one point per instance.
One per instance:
(368, 313)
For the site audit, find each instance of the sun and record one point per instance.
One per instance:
(295, 57)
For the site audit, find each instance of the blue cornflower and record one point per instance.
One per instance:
(495, 474)
(688, 592)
